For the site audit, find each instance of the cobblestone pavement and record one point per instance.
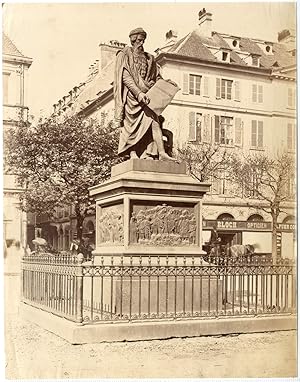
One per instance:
(32, 352)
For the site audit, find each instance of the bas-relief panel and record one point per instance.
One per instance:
(163, 225)
(111, 225)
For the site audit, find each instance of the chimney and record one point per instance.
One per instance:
(205, 23)
(171, 37)
(287, 37)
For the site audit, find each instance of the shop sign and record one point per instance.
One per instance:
(286, 227)
(237, 225)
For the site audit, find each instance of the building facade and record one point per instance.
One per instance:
(235, 91)
(15, 86)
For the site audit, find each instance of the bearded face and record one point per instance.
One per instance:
(138, 44)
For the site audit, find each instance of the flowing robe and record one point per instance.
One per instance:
(134, 117)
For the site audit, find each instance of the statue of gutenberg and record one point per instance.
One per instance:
(135, 73)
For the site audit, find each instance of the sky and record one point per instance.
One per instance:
(63, 38)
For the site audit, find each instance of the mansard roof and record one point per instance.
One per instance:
(10, 53)
(95, 87)
(8, 47)
(195, 45)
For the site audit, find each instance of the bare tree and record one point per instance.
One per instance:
(205, 160)
(271, 180)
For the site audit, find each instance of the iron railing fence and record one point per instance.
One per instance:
(51, 282)
(118, 289)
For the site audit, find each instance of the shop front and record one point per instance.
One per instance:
(253, 231)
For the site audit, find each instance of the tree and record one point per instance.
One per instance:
(268, 179)
(56, 162)
(205, 160)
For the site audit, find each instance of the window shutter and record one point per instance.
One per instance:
(290, 136)
(185, 87)
(290, 97)
(254, 93)
(198, 127)
(5, 82)
(206, 86)
(218, 87)
(192, 126)
(260, 94)
(206, 128)
(253, 134)
(238, 132)
(229, 89)
(217, 129)
(237, 91)
(260, 134)
(197, 85)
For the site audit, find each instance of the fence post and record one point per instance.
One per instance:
(79, 288)
(22, 280)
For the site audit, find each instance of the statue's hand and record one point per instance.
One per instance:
(117, 124)
(142, 97)
(151, 83)
(172, 82)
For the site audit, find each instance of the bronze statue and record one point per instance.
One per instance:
(135, 73)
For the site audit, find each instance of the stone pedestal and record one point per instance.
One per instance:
(149, 208)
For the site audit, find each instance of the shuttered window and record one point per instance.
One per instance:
(224, 130)
(191, 84)
(238, 138)
(205, 86)
(195, 122)
(237, 91)
(257, 134)
(291, 136)
(257, 93)
(226, 89)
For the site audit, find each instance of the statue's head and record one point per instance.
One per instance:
(137, 38)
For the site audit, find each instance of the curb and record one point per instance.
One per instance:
(150, 330)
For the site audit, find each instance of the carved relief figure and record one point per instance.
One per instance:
(111, 227)
(133, 229)
(163, 225)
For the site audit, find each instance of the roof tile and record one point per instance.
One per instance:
(197, 46)
(8, 47)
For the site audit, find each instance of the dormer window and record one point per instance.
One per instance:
(255, 61)
(268, 49)
(221, 54)
(225, 56)
(252, 60)
(235, 43)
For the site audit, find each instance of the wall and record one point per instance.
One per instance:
(273, 111)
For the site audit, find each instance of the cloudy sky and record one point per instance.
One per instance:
(63, 39)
